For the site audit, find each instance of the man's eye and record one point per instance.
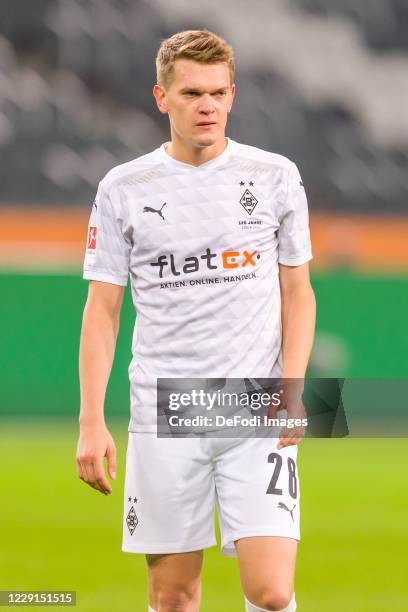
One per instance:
(191, 94)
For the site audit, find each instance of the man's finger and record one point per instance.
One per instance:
(79, 469)
(104, 487)
(286, 434)
(93, 481)
(283, 442)
(290, 439)
(84, 471)
(111, 457)
(286, 442)
(100, 477)
(286, 438)
(90, 476)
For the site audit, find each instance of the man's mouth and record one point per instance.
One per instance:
(205, 123)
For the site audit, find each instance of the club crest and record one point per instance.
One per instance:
(132, 520)
(248, 201)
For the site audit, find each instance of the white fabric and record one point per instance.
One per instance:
(172, 484)
(151, 609)
(212, 309)
(290, 608)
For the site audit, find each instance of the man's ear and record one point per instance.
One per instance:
(232, 96)
(161, 100)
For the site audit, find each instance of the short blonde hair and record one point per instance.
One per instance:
(198, 45)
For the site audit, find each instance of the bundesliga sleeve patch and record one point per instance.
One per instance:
(92, 237)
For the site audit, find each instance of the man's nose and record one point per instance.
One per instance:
(206, 104)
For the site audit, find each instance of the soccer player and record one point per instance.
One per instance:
(214, 235)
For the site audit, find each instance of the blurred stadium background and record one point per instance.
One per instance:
(324, 82)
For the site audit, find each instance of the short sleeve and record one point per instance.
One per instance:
(294, 235)
(107, 249)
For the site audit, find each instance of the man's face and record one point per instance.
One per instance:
(197, 101)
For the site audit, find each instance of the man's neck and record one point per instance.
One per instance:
(193, 155)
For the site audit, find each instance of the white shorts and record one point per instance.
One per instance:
(172, 486)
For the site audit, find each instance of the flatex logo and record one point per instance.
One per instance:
(212, 261)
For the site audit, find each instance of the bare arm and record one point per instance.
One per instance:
(298, 319)
(100, 327)
(298, 324)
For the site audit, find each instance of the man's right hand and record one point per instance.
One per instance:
(95, 442)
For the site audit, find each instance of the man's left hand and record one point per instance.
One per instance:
(293, 435)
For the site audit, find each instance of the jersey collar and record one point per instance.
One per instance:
(211, 163)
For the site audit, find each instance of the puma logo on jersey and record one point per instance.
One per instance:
(155, 210)
(283, 506)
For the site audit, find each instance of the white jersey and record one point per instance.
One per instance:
(202, 247)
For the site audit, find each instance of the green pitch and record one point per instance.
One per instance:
(58, 534)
